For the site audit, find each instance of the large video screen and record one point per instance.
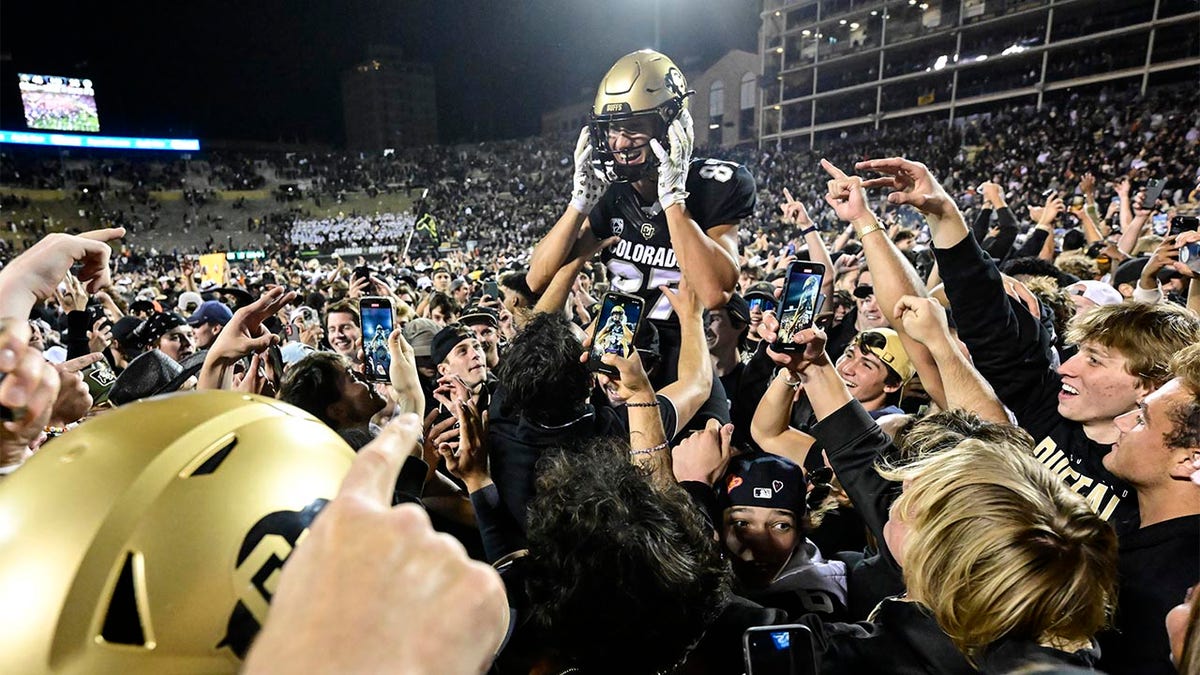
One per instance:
(59, 103)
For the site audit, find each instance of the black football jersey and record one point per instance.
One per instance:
(719, 193)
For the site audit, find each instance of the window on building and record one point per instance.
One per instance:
(716, 99)
(749, 91)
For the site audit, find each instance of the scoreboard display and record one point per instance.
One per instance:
(57, 103)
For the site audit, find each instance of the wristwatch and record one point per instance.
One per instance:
(873, 226)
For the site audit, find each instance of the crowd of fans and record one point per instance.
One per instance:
(983, 456)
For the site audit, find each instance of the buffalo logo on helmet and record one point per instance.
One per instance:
(675, 83)
(264, 550)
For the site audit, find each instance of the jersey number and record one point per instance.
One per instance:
(627, 278)
(717, 170)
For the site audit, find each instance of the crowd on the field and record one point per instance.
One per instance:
(982, 456)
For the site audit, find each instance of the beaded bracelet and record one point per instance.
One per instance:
(649, 451)
(647, 404)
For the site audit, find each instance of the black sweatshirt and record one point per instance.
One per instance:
(1011, 349)
(853, 442)
(1156, 564)
(1000, 246)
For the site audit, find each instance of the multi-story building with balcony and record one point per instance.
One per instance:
(846, 66)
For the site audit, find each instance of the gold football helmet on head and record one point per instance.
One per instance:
(151, 538)
(644, 85)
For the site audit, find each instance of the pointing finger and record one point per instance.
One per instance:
(832, 170)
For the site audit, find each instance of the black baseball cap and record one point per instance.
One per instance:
(738, 309)
(760, 479)
(446, 339)
(477, 314)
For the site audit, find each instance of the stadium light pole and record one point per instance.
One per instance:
(658, 25)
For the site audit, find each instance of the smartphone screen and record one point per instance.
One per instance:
(779, 650)
(761, 304)
(377, 322)
(616, 327)
(1161, 224)
(800, 301)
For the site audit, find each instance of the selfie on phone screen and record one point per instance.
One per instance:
(801, 299)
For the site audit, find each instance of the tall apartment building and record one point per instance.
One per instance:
(841, 66)
(388, 102)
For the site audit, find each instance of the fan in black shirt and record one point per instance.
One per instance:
(1161, 560)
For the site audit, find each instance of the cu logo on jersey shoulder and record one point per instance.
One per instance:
(617, 225)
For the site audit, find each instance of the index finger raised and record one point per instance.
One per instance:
(79, 363)
(831, 169)
(374, 471)
(105, 235)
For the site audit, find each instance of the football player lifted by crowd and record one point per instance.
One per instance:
(660, 212)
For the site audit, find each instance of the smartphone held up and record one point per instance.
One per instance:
(617, 325)
(377, 323)
(799, 303)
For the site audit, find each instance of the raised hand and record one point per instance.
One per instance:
(993, 194)
(368, 568)
(358, 287)
(911, 183)
(673, 165)
(588, 184)
(683, 300)
(703, 456)
(631, 378)
(438, 434)
(923, 318)
(35, 274)
(100, 336)
(74, 400)
(794, 212)
(75, 298)
(813, 340)
(1049, 212)
(403, 373)
(470, 462)
(242, 336)
(1122, 188)
(846, 194)
(1087, 185)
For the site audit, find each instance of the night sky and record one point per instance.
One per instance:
(268, 69)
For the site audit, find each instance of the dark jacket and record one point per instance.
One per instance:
(1001, 245)
(904, 639)
(1156, 566)
(853, 442)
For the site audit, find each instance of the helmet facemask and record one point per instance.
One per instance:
(614, 164)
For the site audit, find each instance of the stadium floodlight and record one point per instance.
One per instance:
(103, 142)
(940, 62)
(854, 26)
